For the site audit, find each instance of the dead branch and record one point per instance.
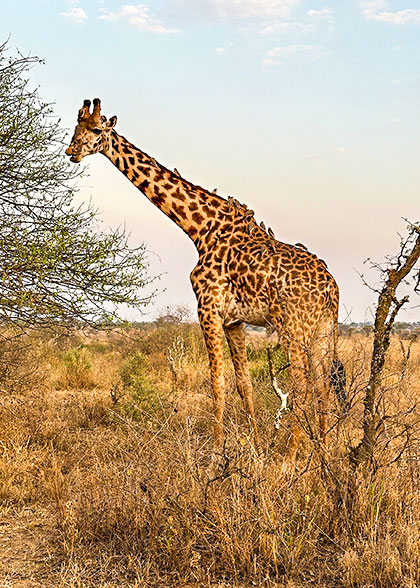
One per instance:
(387, 309)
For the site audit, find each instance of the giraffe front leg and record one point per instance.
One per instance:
(211, 325)
(235, 336)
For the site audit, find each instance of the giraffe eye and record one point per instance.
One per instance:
(97, 131)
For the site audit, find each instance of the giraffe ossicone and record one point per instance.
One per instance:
(243, 275)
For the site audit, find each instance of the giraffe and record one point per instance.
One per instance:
(243, 276)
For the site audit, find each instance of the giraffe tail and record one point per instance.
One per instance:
(338, 383)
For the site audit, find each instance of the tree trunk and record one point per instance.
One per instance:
(387, 309)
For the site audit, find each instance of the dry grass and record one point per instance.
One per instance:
(134, 495)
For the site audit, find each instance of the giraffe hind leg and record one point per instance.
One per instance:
(298, 375)
(326, 373)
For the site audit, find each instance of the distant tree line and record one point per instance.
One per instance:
(405, 330)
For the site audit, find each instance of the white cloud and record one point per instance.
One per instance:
(278, 55)
(409, 16)
(266, 17)
(139, 16)
(322, 15)
(378, 10)
(301, 28)
(245, 9)
(76, 14)
(372, 7)
(240, 10)
(325, 12)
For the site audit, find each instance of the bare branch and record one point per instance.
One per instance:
(387, 309)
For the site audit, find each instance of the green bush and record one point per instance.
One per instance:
(258, 364)
(144, 397)
(78, 368)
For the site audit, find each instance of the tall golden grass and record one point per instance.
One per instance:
(118, 451)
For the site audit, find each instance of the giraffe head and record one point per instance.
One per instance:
(92, 133)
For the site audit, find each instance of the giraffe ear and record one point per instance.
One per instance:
(111, 123)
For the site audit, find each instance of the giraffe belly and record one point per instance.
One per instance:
(255, 314)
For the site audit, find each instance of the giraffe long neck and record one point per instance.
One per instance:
(192, 208)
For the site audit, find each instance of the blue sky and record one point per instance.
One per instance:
(308, 111)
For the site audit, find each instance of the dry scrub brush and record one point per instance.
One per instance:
(139, 499)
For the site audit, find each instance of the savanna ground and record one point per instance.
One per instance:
(108, 478)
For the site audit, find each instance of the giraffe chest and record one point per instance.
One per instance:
(239, 290)
(247, 292)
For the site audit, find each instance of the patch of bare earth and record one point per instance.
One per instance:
(27, 557)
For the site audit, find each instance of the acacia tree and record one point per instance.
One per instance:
(56, 265)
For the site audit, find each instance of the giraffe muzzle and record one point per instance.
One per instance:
(73, 157)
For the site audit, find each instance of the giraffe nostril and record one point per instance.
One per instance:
(69, 151)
